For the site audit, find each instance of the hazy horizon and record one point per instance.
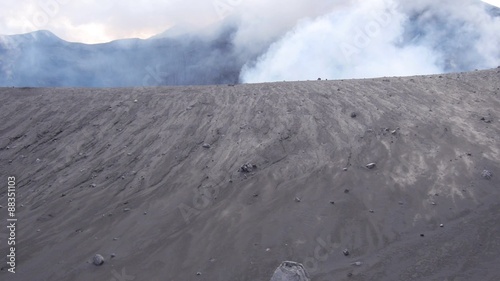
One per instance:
(249, 41)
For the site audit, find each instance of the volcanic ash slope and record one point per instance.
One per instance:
(226, 182)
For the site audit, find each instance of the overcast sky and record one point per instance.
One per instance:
(93, 21)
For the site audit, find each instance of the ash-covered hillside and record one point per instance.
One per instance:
(227, 182)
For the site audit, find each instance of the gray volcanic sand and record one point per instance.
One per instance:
(93, 165)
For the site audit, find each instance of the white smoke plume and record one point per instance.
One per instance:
(383, 38)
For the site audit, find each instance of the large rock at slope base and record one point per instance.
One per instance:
(290, 271)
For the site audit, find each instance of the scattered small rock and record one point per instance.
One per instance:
(346, 190)
(422, 235)
(198, 273)
(98, 260)
(297, 199)
(113, 255)
(345, 252)
(135, 101)
(268, 249)
(357, 263)
(441, 225)
(486, 174)
(126, 209)
(93, 185)
(371, 211)
(115, 239)
(206, 145)
(145, 213)
(370, 165)
(353, 115)
(486, 119)
(319, 79)
(247, 168)
(332, 202)
(345, 169)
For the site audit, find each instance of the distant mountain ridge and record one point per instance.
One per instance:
(41, 59)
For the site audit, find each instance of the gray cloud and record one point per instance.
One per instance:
(383, 38)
